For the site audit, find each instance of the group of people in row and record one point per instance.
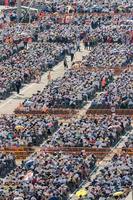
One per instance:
(84, 6)
(98, 132)
(119, 93)
(109, 56)
(25, 130)
(78, 86)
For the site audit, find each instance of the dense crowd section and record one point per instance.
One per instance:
(119, 93)
(56, 30)
(117, 175)
(64, 172)
(64, 6)
(99, 132)
(26, 130)
(110, 55)
(71, 91)
(51, 176)
(7, 163)
(36, 49)
(51, 37)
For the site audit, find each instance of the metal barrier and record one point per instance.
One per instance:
(92, 14)
(63, 113)
(18, 152)
(109, 112)
(68, 113)
(100, 153)
(116, 70)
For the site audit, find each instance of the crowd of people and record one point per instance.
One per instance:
(27, 51)
(22, 45)
(26, 65)
(118, 94)
(116, 176)
(63, 172)
(72, 91)
(119, 31)
(50, 40)
(48, 176)
(25, 130)
(7, 163)
(49, 37)
(110, 56)
(110, 45)
(98, 132)
(81, 6)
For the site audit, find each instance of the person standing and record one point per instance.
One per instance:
(72, 55)
(65, 63)
(85, 44)
(78, 45)
(38, 75)
(103, 83)
(18, 85)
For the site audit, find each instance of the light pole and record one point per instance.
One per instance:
(18, 10)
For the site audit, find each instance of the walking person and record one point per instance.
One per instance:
(49, 77)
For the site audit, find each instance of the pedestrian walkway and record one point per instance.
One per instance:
(130, 196)
(8, 106)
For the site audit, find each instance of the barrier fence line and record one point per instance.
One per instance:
(51, 111)
(98, 111)
(103, 111)
(100, 153)
(85, 13)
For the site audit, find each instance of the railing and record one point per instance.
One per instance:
(18, 152)
(109, 112)
(67, 113)
(63, 113)
(100, 153)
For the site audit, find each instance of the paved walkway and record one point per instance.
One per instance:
(130, 196)
(101, 165)
(8, 106)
